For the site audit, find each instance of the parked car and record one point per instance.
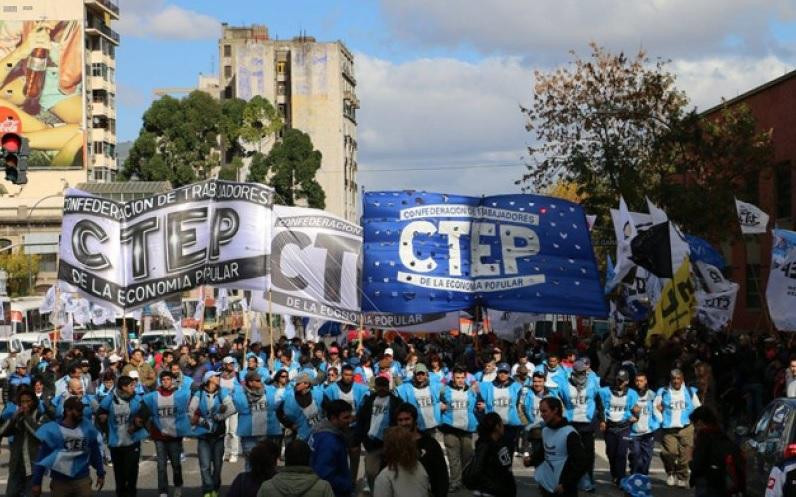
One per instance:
(772, 440)
(168, 337)
(109, 337)
(33, 338)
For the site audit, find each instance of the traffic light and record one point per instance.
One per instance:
(15, 150)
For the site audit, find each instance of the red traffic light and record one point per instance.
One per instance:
(11, 142)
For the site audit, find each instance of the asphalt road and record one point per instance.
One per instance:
(526, 487)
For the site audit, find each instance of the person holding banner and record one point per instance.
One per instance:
(458, 424)
(209, 407)
(165, 412)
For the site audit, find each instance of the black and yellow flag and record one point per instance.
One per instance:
(675, 309)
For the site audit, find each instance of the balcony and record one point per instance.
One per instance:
(99, 29)
(351, 97)
(109, 6)
(98, 83)
(349, 75)
(97, 57)
(99, 109)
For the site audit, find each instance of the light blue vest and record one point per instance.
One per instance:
(647, 421)
(617, 408)
(460, 413)
(71, 447)
(120, 413)
(579, 405)
(305, 417)
(547, 475)
(169, 412)
(257, 419)
(426, 400)
(502, 401)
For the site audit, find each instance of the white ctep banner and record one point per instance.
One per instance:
(781, 289)
(126, 255)
(752, 219)
(316, 266)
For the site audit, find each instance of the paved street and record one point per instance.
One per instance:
(148, 475)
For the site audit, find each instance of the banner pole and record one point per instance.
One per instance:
(57, 334)
(361, 334)
(272, 357)
(124, 338)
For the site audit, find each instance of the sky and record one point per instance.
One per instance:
(441, 82)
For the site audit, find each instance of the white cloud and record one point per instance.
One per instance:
(156, 19)
(544, 28)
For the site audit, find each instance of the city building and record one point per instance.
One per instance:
(773, 190)
(312, 85)
(57, 72)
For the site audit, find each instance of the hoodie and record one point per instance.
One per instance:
(329, 458)
(296, 481)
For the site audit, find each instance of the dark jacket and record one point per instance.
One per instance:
(577, 460)
(364, 416)
(432, 458)
(708, 465)
(493, 460)
(329, 458)
(247, 484)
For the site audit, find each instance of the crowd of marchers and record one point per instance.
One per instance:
(424, 415)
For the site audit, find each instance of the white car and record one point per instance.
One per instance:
(110, 337)
(168, 337)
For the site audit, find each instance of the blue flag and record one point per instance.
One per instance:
(703, 251)
(430, 252)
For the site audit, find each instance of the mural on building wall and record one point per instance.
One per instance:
(251, 71)
(41, 94)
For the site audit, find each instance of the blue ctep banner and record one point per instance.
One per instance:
(430, 252)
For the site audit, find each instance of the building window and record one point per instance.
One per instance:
(783, 186)
(98, 148)
(753, 286)
(280, 67)
(282, 110)
(99, 69)
(281, 88)
(48, 263)
(228, 92)
(4, 244)
(227, 50)
(227, 71)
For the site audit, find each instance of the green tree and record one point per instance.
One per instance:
(21, 269)
(617, 125)
(259, 120)
(231, 170)
(290, 169)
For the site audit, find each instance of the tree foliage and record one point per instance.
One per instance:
(616, 125)
(259, 120)
(21, 269)
(290, 169)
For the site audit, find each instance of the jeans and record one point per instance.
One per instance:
(125, 469)
(460, 449)
(246, 445)
(231, 440)
(617, 442)
(71, 488)
(587, 438)
(211, 458)
(641, 448)
(168, 451)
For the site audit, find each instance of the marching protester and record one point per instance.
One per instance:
(402, 474)
(620, 411)
(579, 396)
(458, 424)
(492, 459)
(642, 433)
(430, 453)
(561, 460)
(424, 396)
(673, 406)
(378, 409)
(296, 478)
(502, 396)
(330, 448)
(262, 459)
(19, 422)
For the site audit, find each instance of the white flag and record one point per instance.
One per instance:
(312, 329)
(625, 230)
(48, 303)
(254, 332)
(100, 315)
(67, 331)
(781, 289)
(222, 302)
(511, 325)
(244, 305)
(290, 329)
(715, 310)
(82, 312)
(590, 220)
(199, 313)
(752, 219)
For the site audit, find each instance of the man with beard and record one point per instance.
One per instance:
(181, 382)
(302, 408)
(642, 433)
(501, 396)
(165, 411)
(424, 397)
(619, 413)
(209, 407)
(116, 411)
(353, 393)
(256, 405)
(67, 449)
(579, 397)
(146, 375)
(429, 452)
(458, 424)
(19, 422)
(375, 414)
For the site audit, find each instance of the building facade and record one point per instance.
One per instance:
(772, 105)
(312, 85)
(59, 91)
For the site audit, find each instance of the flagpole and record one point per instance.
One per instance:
(271, 333)
(56, 306)
(361, 331)
(124, 338)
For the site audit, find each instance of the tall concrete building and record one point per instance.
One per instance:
(312, 85)
(58, 89)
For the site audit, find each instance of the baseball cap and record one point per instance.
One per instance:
(21, 365)
(522, 369)
(114, 358)
(84, 362)
(637, 485)
(388, 351)
(133, 374)
(622, 375)
(228, 360)
(421, 368)
(334, 349)
(580, 366)
(504, 367)
(209, 375)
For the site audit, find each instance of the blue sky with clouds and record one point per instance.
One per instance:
(440, 81)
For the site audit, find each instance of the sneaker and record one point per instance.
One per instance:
(671, 480)
(177, 492)
(233, 458)
(682, 483)
(164, 495)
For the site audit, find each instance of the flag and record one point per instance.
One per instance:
(67, 331)
(781, 288)
(48, 303)
(711, 278)
(311, 328)
(244, 304)
(625, 230)
(677, 241)
(290, 330)
(702, 250)
(652, 250)
(591, 219)
(714, 310)
(254, 331)
(100, 315)
(222, 302)
(199, 313)
(675, 309)
(752, 219)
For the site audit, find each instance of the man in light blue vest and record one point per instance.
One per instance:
(619, 413)
(424, 396)
(256, 406)
(117, 410)
(642, 433)
(302, 408)
(502, 395)
(673, 406)
(579, 396)
(67, 449)
(377, 410)
(458, 424)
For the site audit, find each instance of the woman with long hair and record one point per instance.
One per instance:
(403, 474)
(492, 460)
(263, 467)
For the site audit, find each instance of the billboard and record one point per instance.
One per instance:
(41, 88)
